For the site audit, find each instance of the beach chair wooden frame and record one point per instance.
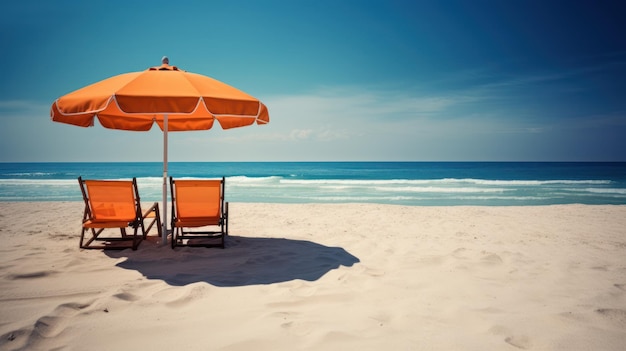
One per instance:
(115, 204)
(198, 207)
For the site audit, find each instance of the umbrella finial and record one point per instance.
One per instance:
(165, 60)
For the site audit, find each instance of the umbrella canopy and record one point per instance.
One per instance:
(172, 98)
(137, 100)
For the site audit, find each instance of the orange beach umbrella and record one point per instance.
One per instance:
(174, 99)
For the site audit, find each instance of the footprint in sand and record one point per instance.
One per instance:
(49, 326)
(286, 318)
(491, 258)
(614, 315)
(45, 328)
(519, 341)
(381, 318)
(126, 296)
(54, 324)
(32, 275)
(293, 324)
(177, 297)
(374, 272)
(460, 253)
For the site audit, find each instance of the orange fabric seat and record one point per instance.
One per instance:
(199, 203)
(115, 204)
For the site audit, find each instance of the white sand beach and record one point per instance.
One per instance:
(323, 277)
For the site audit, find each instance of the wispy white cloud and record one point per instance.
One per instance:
(297, 134)
(340, 104)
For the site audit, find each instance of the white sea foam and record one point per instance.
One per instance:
(401, 191)
(531, 182)
(29, 174)
(252, 181)
(36, 182)
(516, 198)
(443, 181)
(432, 189)
(618, 191)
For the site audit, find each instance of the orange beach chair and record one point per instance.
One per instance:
(199, 204)
(115, 204)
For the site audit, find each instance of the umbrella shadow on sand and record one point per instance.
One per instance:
(244, 261)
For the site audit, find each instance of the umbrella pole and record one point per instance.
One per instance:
(164, 231)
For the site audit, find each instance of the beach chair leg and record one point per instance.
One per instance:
(157, 216)
(225, 225)
(82, 237)
(226, 217)
(137, 238)
(173, 237)
(94, 236)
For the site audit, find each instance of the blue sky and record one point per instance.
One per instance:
(356, 80)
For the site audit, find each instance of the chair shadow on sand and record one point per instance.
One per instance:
(244, 261)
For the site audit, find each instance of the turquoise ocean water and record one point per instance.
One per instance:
(402, 183)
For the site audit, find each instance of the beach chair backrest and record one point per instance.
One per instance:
(112, 200)
(198, 198)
